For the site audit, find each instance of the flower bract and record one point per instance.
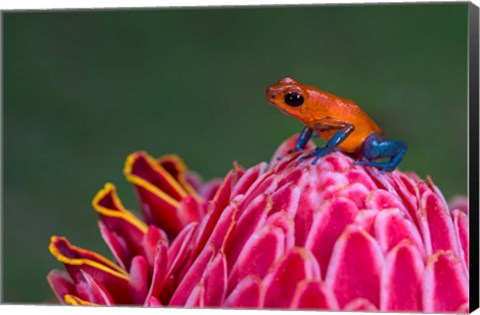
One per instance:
(284, 234)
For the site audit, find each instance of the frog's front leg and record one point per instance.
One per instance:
(376, 147)
(332, 144)
(302, 139)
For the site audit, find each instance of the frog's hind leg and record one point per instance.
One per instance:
(376, 147)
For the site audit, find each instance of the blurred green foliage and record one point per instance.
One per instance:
(83, 89)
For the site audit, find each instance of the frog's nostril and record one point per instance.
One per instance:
(272, 95)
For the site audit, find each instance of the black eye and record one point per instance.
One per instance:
(293, 99)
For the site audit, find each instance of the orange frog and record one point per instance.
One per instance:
(340, 122)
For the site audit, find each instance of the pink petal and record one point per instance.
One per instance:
(77, 260)
(180, 247)
(250, 176)
(248, 293)
(177, 169)
(407, 192)
(436, 223)
(178, 256)
(382, 181)
(286, 199)
(391, 227)
(219, 202)
(337, 162)
(146, 168)
(360, 304)
(252, 217)
(355, 250)
(125, 230)
(192, 277)
(401, 279)
(221, 233)
(61, 284)
(266, 183)
(152, 302)
(359, 176)
(281, 283)
(460, 203)
(115, 217)
(159, 270)
(357, 193)
(464, 309)
(460, 222)
(196, 297)
(365, 219)
(329, 179)
(290, 175)
(160, 211)
(138, 279)
(159, 192)
(382, 199)
(286, 162)
(92, 291)
(284, 221)
(189, 210)
(328, 223)
(261, 250)
(445, 284)
(435, 189)
(312, 294)
(325, 187)
(117, 246)
(215, 281)
(149, 242)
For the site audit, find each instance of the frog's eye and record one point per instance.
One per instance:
(293, 99)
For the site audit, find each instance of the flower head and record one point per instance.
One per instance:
(281, 235)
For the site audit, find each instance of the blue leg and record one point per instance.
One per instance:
(303, 139)
(376, 147)
(331, 145)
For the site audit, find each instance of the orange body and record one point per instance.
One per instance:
(324, 112)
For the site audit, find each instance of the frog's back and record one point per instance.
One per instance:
(329, 105)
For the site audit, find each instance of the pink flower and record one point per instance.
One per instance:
(281, 235)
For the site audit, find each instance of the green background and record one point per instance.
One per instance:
(84, 89)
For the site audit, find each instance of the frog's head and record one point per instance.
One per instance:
(289, 96)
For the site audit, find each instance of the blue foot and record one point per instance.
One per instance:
(382, 166)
